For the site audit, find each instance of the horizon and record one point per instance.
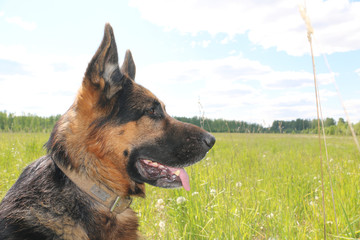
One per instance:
(211, 119)
(250, 63)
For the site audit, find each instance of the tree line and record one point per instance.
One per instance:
(9, 122)
(331, 126)
(221, 125)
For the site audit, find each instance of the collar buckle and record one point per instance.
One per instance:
(122, 203)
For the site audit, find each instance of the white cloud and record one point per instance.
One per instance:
(225, 40)
(205, 43)
(43, 88)
(1, 13)
(353, 109)
(234, 88)
(292, 79)
(29, 26)
(358, 71)
(267, 23)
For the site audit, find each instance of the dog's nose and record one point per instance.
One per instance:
(209, 140)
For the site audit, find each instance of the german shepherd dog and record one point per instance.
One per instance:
(114, 138)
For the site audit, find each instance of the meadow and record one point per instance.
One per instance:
(249, 186)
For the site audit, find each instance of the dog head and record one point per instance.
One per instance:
(119, 133)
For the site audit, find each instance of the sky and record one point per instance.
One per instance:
(243, 60)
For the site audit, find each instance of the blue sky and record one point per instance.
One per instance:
(245, 60)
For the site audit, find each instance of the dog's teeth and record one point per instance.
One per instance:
(177, 173)
(161, 167)
(147, 161)
(154, 164)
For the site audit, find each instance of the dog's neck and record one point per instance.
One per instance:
(98, 191)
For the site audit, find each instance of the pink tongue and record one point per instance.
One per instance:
(184, 177)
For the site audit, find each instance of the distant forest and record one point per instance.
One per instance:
(9, 122)
(332, 127)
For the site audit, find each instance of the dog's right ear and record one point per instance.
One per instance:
(103, 70)
(128, 67)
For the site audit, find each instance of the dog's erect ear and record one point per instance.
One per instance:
(103, 70)
(128, 67)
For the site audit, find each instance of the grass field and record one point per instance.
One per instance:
(250, 186)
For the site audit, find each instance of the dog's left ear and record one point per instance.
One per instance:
(103, 70)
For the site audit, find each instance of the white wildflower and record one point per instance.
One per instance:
(238, 184)
(212, 191)
(162, 225)
(160, 204)
(271, 215)
(195, 193)
(180, 200)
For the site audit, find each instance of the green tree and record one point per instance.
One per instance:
(329, 122)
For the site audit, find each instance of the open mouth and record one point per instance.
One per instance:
(163, 176)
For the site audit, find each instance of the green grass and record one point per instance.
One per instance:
(250, 186)
(16, 151)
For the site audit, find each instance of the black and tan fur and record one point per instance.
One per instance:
(112, 125)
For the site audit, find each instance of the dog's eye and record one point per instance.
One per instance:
(150, 111)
